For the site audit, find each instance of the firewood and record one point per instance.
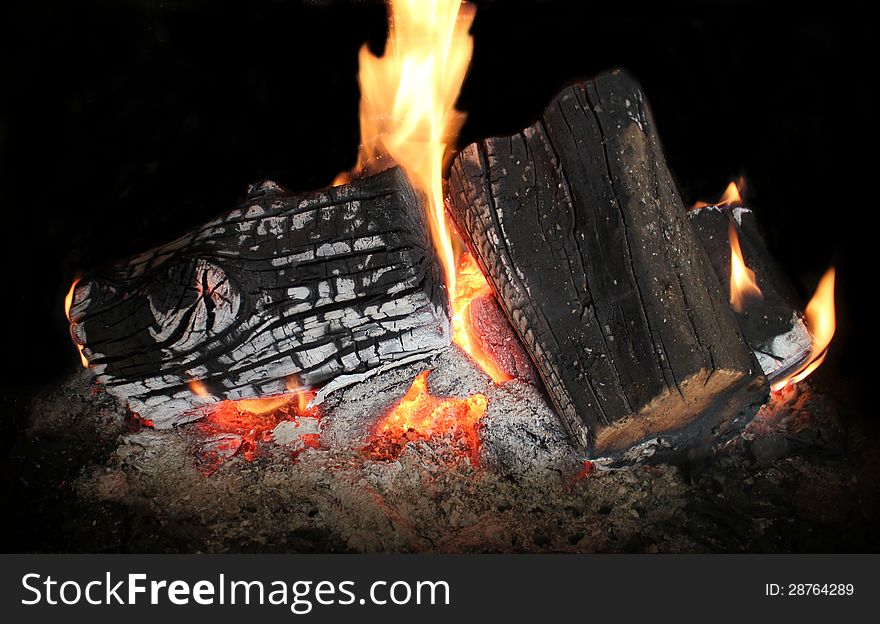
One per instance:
(771, 323)
(579, 227)
(285, 292)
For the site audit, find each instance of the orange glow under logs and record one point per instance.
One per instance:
(421, 416)
(472, 284)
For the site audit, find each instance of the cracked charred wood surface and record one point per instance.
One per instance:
(286, 292)
(578, 225)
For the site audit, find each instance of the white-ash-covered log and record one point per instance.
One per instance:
(579, 227)
(285, 292)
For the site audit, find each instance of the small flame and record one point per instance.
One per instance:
(419, 416)
(732, 195)
(198, 388)
(68, 301)
(303, 396)
(742, 279)
(821, 321)
(263, 405)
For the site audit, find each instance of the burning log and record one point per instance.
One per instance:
(764, 307)
(579, 227)
(281, 294)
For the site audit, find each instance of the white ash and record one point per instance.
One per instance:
(290, 432)
(143, 491)
(785, 351)
(520, 433)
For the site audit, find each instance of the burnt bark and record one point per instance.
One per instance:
(579, 227)
(285, 292)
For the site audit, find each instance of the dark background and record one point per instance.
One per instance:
(123, 122)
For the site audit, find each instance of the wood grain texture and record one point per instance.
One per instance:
(579, 227)
(285, 292)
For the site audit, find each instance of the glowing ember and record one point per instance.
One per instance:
(421, 416)
(820, 320)
(238, 427)
(743, 285)
(472, 284)
(68, 300)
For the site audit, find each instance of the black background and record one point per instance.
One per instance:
(123, 122)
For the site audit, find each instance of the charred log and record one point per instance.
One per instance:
(772, 326)
(579, 227)
(285, 292)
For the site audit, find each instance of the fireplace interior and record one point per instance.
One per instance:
(564, 339)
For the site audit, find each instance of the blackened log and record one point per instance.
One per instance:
(771, 323)
(285, 292)
(579, 227)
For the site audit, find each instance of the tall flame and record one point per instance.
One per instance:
(742, 279)
(408, 117)
(68, 301)
(407, 109)
(820, 320)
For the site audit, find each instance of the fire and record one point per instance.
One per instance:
(732, 196)
(68, 300)
(239, 427)
(197, 388)
(303, 397)
(419, 415)
(408, 117)
(265, 405)
(820, 320)
(407, 109)
(472, 284)
(742, 279)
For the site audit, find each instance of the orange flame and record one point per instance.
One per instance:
(303, 396)
(407, 110)
(68, 301)
(197, 388)
(408, 117)
(820, 320)
(420, 415)
(742, 279)
(265, 405)
(732, 196)
(472, 284)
